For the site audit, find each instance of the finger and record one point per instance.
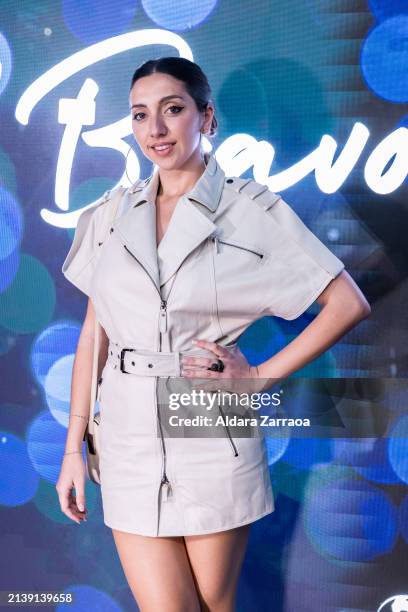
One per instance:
(201, 373)
(80, 497)
(204, 362)
(65, 507)
(72, 501)
(74, 509)
(215, 348)
(72, 516)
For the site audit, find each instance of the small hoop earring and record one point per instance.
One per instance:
(201, 146)
(130, 149)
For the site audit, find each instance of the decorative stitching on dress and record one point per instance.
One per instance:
(216, 313)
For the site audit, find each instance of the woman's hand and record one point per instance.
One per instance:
(237, 376)
(73, 474)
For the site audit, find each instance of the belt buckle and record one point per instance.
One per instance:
(122, 357)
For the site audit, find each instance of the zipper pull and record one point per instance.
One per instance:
(163, 316)
(216, 244)
(98, 392)
(166, 488)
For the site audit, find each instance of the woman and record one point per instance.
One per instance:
(191, 256)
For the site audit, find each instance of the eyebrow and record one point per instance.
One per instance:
(164, 99)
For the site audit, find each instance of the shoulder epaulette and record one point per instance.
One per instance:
(109, 194)
(261, 194)
(106, 196)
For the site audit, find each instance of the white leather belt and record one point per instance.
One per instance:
(144, 362)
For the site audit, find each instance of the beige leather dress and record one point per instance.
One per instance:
(233, 253)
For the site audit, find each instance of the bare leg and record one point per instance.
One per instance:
(216, 561)
(158, 572)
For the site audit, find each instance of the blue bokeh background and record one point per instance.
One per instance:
(284, 72)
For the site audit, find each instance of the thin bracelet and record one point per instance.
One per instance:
(72, 452)
(257, 371)
(81, 416)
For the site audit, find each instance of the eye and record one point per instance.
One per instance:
(179, 108)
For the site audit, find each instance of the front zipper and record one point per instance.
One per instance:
(233, 446)
(216, 240)
(163, 316)
(165, 485)
(145, 269)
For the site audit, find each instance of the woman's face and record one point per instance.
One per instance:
(175, 119)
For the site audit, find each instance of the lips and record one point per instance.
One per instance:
(162, 146)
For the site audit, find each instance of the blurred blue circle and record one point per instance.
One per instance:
(57, 388)
(384, 59)
(8, 269)
(403, 518)
(86, 598)
(302, 453)
(369, 457)
(94, 20)
(178, 16)
(348, 519)
(18, 479)
(55, 341)
(5, 63)
(46, 443)
(397, 447)
(11, 224)
(276, 447)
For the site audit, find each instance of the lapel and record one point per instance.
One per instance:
(190, 224)
(137, 230)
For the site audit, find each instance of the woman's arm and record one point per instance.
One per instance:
(82, 379)
(343, 306)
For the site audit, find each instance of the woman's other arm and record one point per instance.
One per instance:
(72, 474)
(82, 379)
(343, 306)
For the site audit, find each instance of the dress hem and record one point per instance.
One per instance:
(269, 510)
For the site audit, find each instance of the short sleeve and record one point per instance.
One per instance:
(78, 264)
(300, 265)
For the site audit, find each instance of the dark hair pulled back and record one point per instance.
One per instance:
(190, 73)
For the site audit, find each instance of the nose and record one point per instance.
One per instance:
(157, 126)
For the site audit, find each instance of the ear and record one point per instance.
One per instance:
(208, 117)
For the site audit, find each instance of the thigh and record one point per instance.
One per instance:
(216, 561)
(158, 572)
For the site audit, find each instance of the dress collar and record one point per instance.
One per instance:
(206, 191)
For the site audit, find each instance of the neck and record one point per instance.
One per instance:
(175, 183)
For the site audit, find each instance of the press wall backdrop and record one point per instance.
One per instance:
(316, 96)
